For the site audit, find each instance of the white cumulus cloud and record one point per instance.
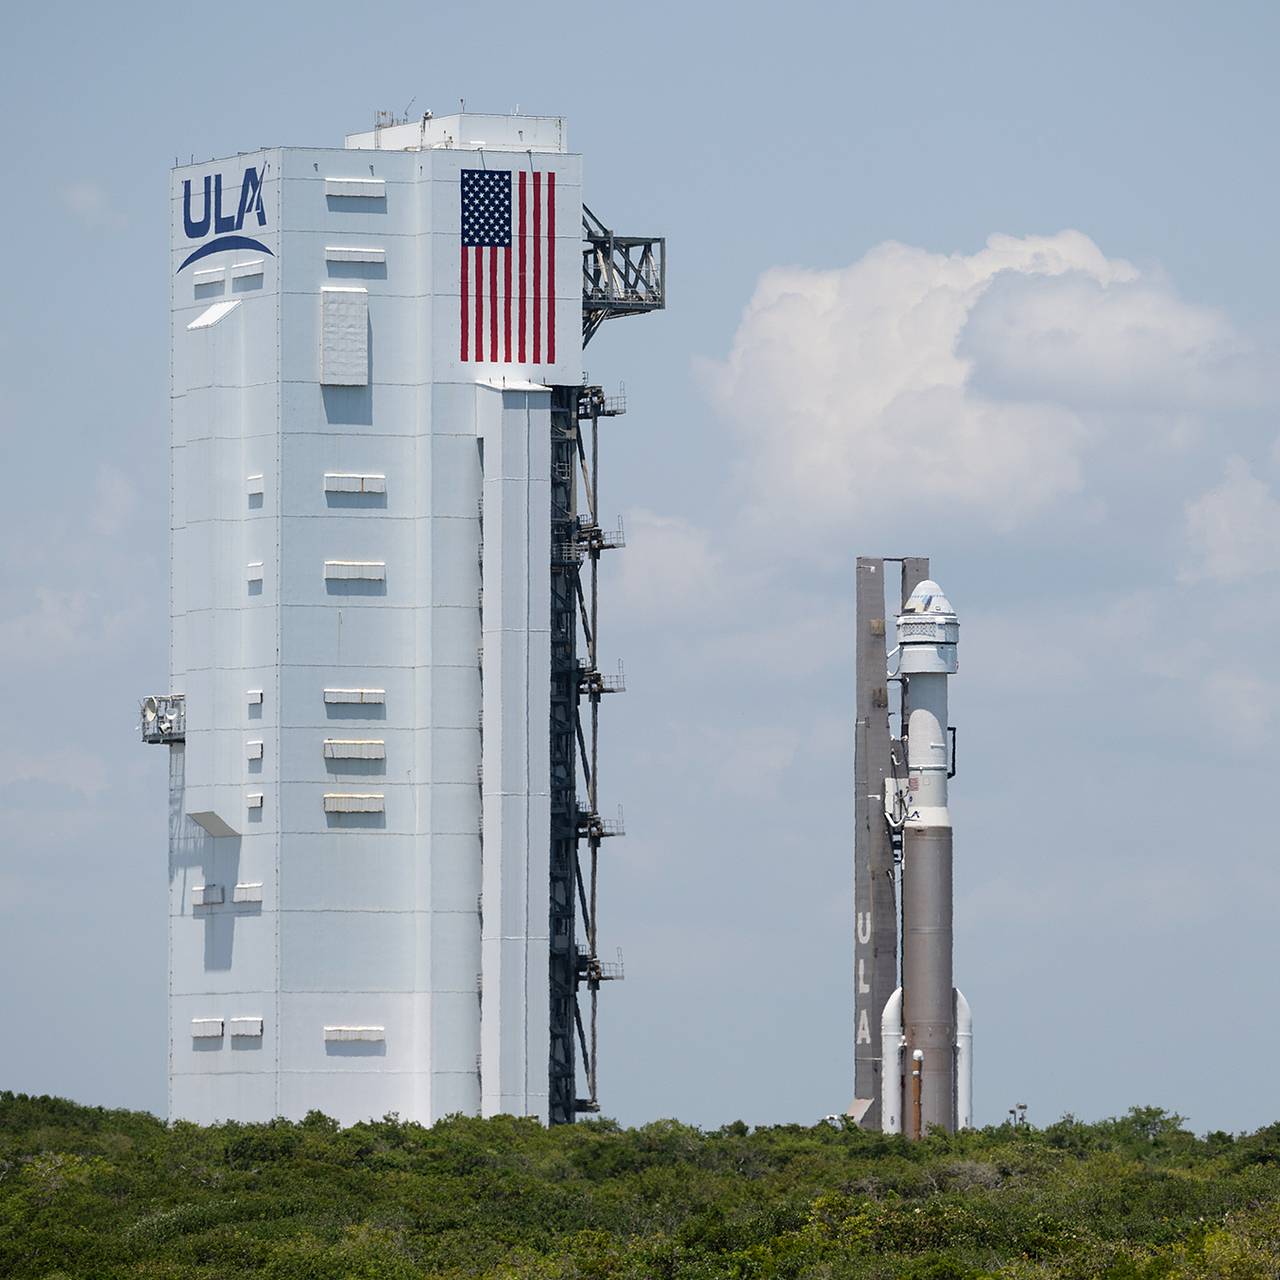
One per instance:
(970, 381)
(1234, 528)
(1086, 342)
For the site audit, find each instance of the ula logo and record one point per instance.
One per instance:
(225, 226)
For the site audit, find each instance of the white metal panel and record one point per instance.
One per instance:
(321, 873)
(389, 701)
(358, 696)
(216, 1093)
(455, 877)
(211, 315)
(455, 809)
(455, 477)
(455, 634)
(395, 320)
(304, 1015)
(210, 275)
(250, 1028)
(516, 697)
(370, 570)
(455, 755)
(390, 456)
(344, 339)
(368, 635)
(454, 698)
(469, 132)
(247, 892)
(355, 749)
(343, 415)
(356, 188)
(354, 253)
(452, 1092)
(455, 951)
(355, 951)
(393, 219)
(455, 561)
(453, 421)
(225, 422)
(206, 1028)
(215, 1056)
(206, 895)
(354, 482)
(343, 537)
(355, 1033)
(354, 802)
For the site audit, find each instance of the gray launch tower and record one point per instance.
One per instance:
(912, 1028)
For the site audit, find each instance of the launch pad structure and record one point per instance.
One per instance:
(385, 671)
(912, 1028)
(577, 542)
(621, 276)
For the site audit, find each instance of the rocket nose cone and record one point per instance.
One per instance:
(928, 597)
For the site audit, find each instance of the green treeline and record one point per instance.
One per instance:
(91, 1193)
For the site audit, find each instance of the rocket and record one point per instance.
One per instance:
(926, 1032)
(926, 1022)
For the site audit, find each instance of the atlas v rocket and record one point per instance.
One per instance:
(913, 1034)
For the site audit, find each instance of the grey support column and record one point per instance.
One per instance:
(875, 900)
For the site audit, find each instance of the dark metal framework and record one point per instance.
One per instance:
(621, 275)
(577, 686)
(564, 720)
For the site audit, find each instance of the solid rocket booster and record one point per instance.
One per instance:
(928, 635)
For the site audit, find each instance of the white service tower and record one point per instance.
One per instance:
(368, 347)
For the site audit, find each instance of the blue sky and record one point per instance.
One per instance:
(994, 283)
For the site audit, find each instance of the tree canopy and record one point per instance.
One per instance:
(86, 1192)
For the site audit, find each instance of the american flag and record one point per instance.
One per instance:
(508, 307)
